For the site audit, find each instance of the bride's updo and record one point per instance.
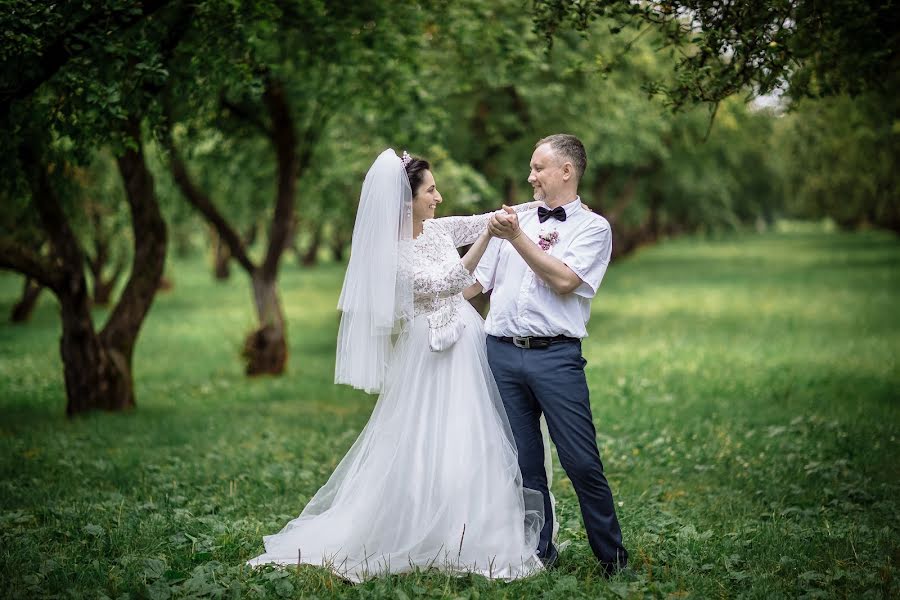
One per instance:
(415, 171)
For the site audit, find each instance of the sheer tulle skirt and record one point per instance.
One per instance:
(432, 481)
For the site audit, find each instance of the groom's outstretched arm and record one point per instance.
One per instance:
(556, 273)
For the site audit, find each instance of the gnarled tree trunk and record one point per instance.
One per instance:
(96, 377)
(265, 348)
(122, 328)
(97, 366)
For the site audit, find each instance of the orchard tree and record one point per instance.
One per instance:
(75, 78)
(278, 72)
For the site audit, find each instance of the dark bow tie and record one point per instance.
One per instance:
(558, 213)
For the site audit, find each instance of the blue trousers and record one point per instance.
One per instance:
(551, 381)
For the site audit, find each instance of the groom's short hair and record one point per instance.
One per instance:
(568, 147)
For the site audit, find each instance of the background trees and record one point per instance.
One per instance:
(840, 158)
(808, 49)
(245, 129)
(74, 79)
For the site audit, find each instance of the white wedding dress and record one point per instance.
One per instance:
(433, 479)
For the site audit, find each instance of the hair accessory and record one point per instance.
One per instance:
(406, 159)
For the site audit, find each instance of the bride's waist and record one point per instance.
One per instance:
(423, 307)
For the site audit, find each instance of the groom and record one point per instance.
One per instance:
(544, 268)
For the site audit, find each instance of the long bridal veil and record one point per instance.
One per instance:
(375, 299)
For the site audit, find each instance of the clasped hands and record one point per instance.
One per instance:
(504, 224)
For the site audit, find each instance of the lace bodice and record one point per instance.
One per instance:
(437, 271)
(438, 274)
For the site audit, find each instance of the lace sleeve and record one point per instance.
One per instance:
(465, 230)
(442, 280)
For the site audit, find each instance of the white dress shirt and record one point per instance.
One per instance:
(522, 304)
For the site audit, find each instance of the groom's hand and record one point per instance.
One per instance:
(505, 225)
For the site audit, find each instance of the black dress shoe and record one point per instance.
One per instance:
(550, 557)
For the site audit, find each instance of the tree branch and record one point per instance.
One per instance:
(243, 113)
(200, 201)
(150, 241)
(63, 241)
(16, 257)
(61, 51)
(285, 142)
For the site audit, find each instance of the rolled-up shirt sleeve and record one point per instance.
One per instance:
(588, 256)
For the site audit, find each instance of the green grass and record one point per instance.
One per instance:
(745, 392)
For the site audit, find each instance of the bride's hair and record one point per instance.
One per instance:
(415, 170)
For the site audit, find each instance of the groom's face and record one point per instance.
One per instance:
(546, 175)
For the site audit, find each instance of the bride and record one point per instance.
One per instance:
(433, 479)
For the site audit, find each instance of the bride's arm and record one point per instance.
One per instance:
(476, 251)
(472, 257)
(465, 230)
(452, 277)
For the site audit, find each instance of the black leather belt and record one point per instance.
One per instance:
(534, 341)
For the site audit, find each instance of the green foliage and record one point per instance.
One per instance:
(810, 48)
(472, 85)
(839, 159)
(744, 393)
(650, 171)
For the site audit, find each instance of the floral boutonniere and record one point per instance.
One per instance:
(546, 240)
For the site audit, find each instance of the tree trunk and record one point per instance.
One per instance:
(265, 350)
(221, 256)
(94, 377)
(284, 139)
(150, 242)
(103, 291)
(338, 246)
(31, 291)
(626, 241)
(311, 254)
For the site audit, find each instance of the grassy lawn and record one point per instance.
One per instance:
(746, 393)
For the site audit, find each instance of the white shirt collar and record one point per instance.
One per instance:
(570, 207)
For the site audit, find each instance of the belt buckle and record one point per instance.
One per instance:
(521, 342)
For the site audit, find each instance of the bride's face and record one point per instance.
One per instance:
(426, 199)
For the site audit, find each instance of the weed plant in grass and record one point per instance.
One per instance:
(744, 392)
